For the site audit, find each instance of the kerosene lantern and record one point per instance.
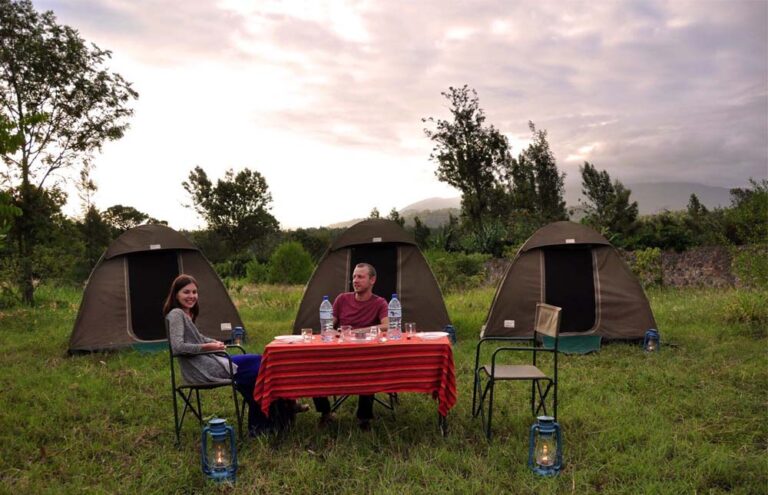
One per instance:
(545, 450)
(218, 452)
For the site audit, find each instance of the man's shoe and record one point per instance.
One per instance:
(326, 419)
(364, 424)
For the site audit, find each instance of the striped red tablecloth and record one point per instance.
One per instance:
(318, 369)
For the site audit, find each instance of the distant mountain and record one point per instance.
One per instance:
(433, 204)
(651, 197)
(345, 224)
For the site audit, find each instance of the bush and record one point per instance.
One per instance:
(256, 272)
(746, 306)
(646, 265)
(750, 265)
(290, 264)
(457, 271)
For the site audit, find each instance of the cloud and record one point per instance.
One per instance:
(648, 90)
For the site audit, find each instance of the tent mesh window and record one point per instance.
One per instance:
(570, 284)
(383, 257)
(150, 275)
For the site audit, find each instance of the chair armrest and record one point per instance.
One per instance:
(236, 346)
(496, 339)
(514, 349)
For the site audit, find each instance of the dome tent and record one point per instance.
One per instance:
(123, 298)
(401, 268)
(570, 265)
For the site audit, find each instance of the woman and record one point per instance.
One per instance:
(181, 310)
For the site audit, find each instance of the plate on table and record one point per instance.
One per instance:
(431, 335)
(289, 339)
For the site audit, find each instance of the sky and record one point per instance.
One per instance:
(325, 99)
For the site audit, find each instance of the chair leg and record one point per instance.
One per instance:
(337, 402)
(390, 404)
(474, 393)
(554, 401)
(199, 407)
(176, 426)
(238, 414)
(533, 397)
(542, 397)
(490, 409)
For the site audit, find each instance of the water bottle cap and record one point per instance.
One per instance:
(325, 298)
(394, 296)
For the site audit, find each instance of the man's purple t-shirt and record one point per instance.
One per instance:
(350, 311)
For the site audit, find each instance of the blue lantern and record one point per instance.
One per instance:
(652, 340)
(218, 452)
(238, 336)
(545, 450)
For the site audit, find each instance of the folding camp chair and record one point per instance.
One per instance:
(185, 391)
(547, 322)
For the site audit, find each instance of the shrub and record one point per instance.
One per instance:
(256, 272)
(457, 271)
(750, 265)
(646, 265)
(290, 264)
(746, 306)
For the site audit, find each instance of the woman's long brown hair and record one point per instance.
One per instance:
(172, 301)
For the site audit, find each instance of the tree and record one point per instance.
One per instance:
(62, 103)
(537, 181)
(237, 207)
(374, 213)
(394, 215)
(7, 214)
(607, 206)
(471, 156)
(290, 264)
(8, 144)
(421, 233)
(120, 218)
(96, 235)
(695, 208)
(747, 218)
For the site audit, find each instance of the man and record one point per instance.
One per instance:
(360, 309)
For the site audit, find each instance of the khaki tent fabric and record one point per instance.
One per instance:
(415, 284)
(621, 310)
(104, 320)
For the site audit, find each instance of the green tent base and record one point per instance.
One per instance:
(149, 347)
(575, 344)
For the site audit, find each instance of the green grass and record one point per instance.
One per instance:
(691, 419)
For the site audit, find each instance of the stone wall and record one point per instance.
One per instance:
(699, 267)
(709, 266)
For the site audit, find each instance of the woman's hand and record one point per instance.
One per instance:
(213, 346)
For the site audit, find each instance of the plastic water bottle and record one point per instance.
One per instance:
(395, 314)
(326, 315)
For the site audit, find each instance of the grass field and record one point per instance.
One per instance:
(691, 419)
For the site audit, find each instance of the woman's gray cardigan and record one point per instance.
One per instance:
(186, 339)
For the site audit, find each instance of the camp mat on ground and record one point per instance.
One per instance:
(574, 344)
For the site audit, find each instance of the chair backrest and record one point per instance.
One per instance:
(547, 319)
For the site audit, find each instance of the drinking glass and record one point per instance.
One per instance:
(410, 329)
(306, 334)
(345, 332)
(328, 335)
(374, 331)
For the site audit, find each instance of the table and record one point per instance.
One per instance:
(321, 369)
